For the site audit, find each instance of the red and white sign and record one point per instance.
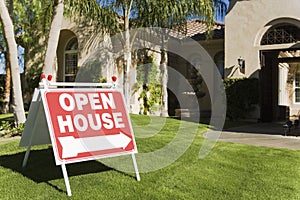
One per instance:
(87, 124)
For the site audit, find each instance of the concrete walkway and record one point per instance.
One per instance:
(5, 139)
(261, 134)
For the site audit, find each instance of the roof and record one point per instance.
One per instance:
(197, 30)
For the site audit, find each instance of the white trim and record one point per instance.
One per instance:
(262, 31)
(77, 84)
(279, 46)
(294, 89)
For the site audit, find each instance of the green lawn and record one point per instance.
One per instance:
(230, 171)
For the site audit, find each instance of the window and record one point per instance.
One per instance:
(297, 87)
(281, 35)
(71, 60)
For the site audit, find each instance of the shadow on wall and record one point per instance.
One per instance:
(234, 71)
(242, 97)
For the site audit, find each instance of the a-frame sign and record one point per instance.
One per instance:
(81, 124)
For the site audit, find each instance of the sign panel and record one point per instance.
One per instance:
(36, 130)
(87, 124)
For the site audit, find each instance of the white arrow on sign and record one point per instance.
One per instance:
(72, 146)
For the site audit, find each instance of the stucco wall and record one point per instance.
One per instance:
(247, 21)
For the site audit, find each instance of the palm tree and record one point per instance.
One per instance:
(107, 19)
(164, 14)
(8, 32)
(173, 13)
(58, 10)
(78, 8)
(135, 13)
(126, 9)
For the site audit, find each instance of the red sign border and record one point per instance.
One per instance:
(58, 161)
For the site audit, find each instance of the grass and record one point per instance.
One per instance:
(230, 171)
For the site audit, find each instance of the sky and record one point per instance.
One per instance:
(219, 18)
(20, 59)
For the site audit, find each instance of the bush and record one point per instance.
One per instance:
(148, 79)
(8, 129)
(242, 96)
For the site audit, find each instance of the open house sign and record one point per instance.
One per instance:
(87, 124)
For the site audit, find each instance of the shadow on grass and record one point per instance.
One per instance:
(41, 166)
(206, 121)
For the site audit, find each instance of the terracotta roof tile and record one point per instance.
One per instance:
(197, 30)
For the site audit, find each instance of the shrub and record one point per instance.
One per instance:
(148, 79)
(8, 129)
(242, 96)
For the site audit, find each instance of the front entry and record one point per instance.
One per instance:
(270, 110)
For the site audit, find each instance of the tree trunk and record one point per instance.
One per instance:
(127, 58)
(9, 37)
(126, 81)
(49, 64)
(164, 83)
(6, 100)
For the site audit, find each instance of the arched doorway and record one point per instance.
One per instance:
(279, 56)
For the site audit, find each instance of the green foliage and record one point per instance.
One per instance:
(175, 13)
(196, 82)
(242, 95)
(7, 128)
(104, 19)
(148, 79)
(32, 79)
(151, 95)
(32, 18)
(103, 80)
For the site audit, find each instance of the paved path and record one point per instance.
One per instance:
(262, 134)
(5, 139)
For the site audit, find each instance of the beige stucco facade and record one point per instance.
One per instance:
(246, 24)
(91, 43)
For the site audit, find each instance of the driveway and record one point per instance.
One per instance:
(261, 134)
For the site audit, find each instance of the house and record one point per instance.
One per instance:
(265, 35)
(260, 39)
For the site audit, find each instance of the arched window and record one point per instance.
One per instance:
(281, 35)
(71, 60)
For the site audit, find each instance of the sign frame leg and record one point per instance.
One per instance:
(33, 133)
(26, 156)
(138, 178)
(66, 178)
